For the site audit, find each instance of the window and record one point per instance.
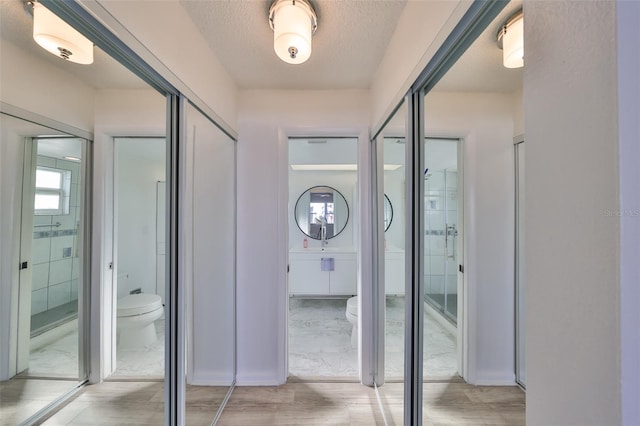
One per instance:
(52, 191)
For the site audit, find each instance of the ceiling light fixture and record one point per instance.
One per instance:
(293, 23)
(59, 38)
(511, 41)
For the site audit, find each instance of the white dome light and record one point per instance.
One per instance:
(56, 36)
(511, 36)
(293, 22)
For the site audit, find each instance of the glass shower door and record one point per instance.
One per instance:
(441, 226)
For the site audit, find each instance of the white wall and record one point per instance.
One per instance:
(162, 33)
(628, 16)
(421, 30)
(485, 123)
(572, 247)
(265, 120)
(141, 164)
(35, 85)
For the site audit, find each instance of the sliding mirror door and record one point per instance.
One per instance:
(390, 299)
(45, 296)
(209, 218)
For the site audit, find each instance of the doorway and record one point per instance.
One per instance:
(322, 279)
(51, 269)
(442, 236)
(140, 244)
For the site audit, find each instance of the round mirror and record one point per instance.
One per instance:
(321, 212)
(388, 213)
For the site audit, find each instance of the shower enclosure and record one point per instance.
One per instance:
(441, 239)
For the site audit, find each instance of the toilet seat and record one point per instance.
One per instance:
(138, 304)
(352, 316)
(352, 305)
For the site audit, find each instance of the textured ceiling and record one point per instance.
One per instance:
(348, 46)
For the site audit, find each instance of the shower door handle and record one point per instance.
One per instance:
(451, 232)
(23, 265)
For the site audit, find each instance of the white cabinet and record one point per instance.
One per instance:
(307, 277)
(394, 272)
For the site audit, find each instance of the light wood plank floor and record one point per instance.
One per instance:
(353, 404)
(20, 398)
(296, 403)
(135, 403)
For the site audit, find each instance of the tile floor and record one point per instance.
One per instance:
(320, 341)
(59, 359)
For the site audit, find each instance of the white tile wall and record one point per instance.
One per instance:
(75, 268)
(60, 243)
(60, 271)
(46, 161)
(59, 294)
(67, 221)
(54, 276)
(38, 301)
(40, 276)
(437, 265)
(40, 250)
(42, 220)
(74, 290)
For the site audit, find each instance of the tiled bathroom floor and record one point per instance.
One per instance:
(320, 341)
(59, 359)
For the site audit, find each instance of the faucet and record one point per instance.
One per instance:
(323, 231)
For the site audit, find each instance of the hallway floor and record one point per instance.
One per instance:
(445, 403)
(135, 403)
(299, 403)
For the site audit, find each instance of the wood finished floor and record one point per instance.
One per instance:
(296, 403)
(135, 403)
(353, 404)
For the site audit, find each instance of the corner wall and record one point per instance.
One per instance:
(572, 247)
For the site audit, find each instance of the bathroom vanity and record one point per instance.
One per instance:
(313, 272)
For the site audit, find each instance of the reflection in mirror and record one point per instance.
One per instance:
(392, 256)
(388, 213)
(211, 228)
(321, 212)
(47, 232)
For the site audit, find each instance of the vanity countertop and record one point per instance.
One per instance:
(328, 250)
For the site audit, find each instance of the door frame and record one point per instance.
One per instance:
(364, 245)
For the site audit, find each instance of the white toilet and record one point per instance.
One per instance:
(352, 317)
(136, 314)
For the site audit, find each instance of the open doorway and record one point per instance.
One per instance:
(139, 240)
(323, 309)
(51, 258)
